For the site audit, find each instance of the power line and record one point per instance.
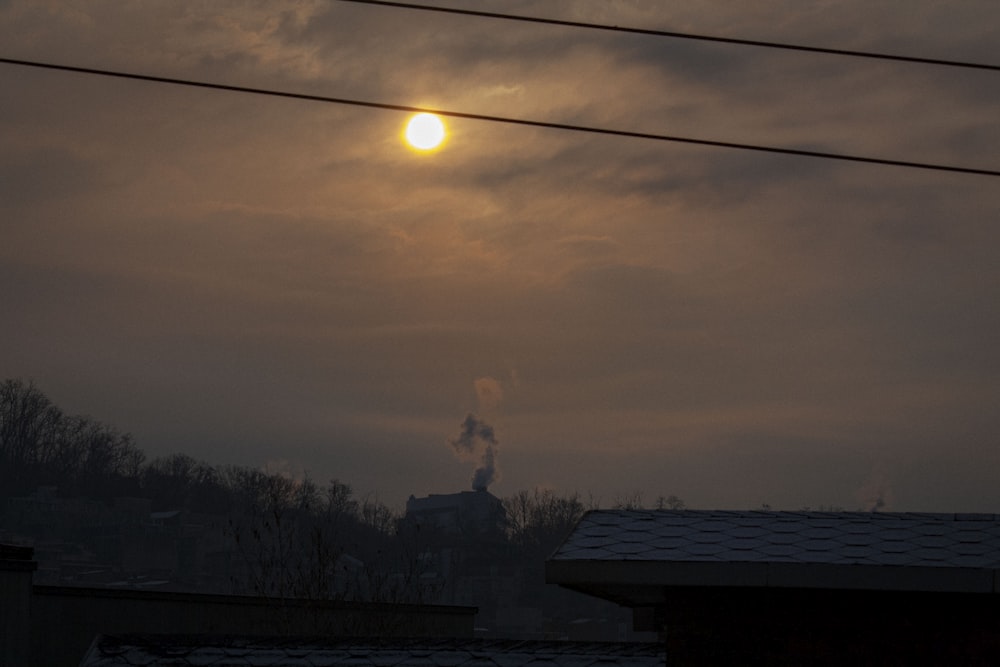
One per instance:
(680, 35)
(503, 119)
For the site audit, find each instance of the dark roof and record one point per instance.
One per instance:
(452, 501)
(13, 552)
(846, 550)
(177, 650)
(17, 558)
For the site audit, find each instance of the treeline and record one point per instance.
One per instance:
(39, 444)
(290, 537)
(42, 445)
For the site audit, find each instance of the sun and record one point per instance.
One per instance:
(425, 132)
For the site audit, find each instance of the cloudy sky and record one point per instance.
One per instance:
(282, 283)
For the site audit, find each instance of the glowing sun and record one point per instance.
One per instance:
(425, 132)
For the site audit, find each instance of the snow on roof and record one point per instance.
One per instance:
(115, 651)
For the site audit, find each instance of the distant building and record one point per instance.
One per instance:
(469, 513)
(82, 541)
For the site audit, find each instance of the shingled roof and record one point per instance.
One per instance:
(627, 555)
(180, 651)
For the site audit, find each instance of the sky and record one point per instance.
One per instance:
(284, 284)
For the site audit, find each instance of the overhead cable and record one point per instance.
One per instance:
(679, 35)
(502, 119)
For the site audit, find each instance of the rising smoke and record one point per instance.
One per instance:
(477, 438)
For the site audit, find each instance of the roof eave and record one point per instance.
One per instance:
(640, 583)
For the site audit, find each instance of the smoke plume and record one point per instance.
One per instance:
(876, 494)
(489, 393)
(478, 439)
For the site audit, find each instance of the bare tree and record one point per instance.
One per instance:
(670, 502)
(29, 423)
(539, 520)
(629, 501)
(38, 442)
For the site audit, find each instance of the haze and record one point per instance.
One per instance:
(283, 284)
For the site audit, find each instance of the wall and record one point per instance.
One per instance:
(779, 627)
(65, 620)
(16, 569)
(42, 626)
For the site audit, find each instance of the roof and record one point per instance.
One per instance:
(17, 558)
(15, 552)
(616, 553)
(179, 650)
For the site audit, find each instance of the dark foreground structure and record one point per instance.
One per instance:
(55, 625)
(797, 588)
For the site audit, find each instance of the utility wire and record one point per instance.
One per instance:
(679, 35)
(502, 119)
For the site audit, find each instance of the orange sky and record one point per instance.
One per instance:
(275, 282)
